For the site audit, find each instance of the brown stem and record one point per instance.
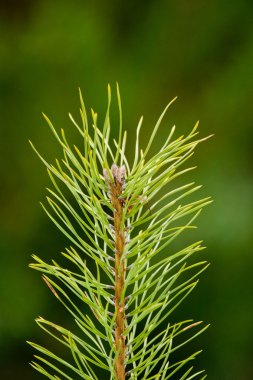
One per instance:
(120, 345)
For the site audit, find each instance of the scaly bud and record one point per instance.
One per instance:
(114, 170)
(121, 173)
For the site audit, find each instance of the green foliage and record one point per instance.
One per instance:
(153, 288)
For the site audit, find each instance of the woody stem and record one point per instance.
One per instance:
(120, 345)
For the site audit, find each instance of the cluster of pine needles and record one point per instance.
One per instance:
(123, 278)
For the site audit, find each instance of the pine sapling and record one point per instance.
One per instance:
(121, 220)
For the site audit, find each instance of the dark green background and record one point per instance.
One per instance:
(201, 51)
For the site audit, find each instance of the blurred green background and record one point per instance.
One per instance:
(201, 51)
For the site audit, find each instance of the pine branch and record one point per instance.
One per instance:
(116, 188)
(121, 218)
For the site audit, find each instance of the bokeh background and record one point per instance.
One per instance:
(201, 51)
